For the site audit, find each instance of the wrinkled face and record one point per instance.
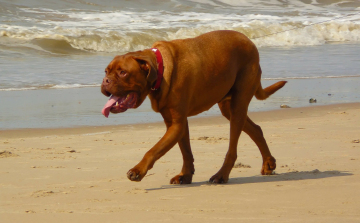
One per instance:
(126, 82)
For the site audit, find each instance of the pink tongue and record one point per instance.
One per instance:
(106, 110)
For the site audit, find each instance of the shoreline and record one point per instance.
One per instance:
(53, 108)
(75, 86)
(256, 116)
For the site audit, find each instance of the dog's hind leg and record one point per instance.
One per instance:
(241, 94)
(256, 134)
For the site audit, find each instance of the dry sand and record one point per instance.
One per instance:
(79, 175)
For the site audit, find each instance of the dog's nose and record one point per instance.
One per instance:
(106, 81)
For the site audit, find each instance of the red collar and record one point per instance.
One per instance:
(160, 70)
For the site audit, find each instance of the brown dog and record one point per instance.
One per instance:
(217, 67)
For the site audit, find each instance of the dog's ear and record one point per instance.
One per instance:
(147, 65)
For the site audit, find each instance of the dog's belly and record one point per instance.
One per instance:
(204, 99)
(199, 110)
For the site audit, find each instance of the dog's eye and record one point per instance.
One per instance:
(123, 73)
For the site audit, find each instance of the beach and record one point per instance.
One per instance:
(79, 174)
(61, 160)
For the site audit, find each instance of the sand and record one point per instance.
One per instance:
(79, 174)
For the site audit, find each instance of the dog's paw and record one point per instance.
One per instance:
(269, 165)
(219, 179)
(135, 175)
(182, 179)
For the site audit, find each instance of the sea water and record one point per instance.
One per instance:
(53, 52)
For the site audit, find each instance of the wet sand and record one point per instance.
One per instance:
(79, 174)
(81, 107)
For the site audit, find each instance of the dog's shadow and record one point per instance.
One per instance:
(289, 176)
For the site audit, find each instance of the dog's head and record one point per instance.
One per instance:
(128, 80)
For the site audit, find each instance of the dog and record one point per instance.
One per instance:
(183, 78)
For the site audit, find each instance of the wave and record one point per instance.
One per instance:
(267, 34)
(57, 46)
(128, 27)
(263, 33)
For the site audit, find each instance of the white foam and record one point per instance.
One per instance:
(63, 86)
(19, 89)
(68, 86)
(126, 30)
(120, 41)
(312, 77)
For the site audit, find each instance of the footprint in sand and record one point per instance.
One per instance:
(137, 191)
(42, 193)
(4, 154)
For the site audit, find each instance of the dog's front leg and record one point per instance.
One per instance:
(173, 134)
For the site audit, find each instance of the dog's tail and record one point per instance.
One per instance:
(263, 94)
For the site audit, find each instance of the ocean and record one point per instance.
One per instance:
(53, 52)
